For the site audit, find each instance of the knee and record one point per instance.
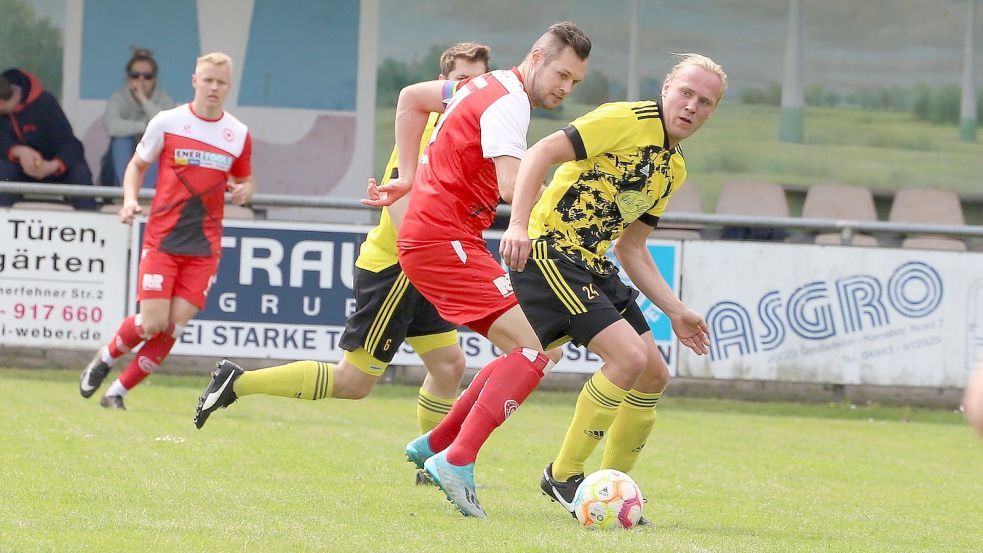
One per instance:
(351, 383)
(448, 370)
(152, 327)
(631, 358)
(654, 378)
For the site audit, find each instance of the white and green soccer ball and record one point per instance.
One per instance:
(608, 499)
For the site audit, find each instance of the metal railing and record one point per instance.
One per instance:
(846, 228)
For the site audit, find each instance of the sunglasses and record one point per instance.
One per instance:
(145, 76)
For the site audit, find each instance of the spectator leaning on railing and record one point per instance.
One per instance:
(36, 139)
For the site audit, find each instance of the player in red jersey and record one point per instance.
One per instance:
(203, 152)
(470, 163)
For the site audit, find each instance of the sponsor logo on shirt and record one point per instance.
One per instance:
(202, 158)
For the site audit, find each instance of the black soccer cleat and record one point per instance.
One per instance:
(219, 392)
(92, 376)
(561, 492)
(112, 402)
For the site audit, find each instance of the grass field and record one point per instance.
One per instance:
(271, 474)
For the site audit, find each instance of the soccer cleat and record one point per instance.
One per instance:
(219, 392)
(456, 482)
(92, 376)
(418, 451)
(561, 492)
(642, 521)
(422, 479)
(112, 402)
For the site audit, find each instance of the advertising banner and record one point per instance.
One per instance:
(62, 278)
(833, 314)
(284, 291)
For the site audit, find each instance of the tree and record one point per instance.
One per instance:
(31, 43)
(595, 89)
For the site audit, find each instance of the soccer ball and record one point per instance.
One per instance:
(608, 499)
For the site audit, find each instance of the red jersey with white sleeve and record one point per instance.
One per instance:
(455, 192)
(454, 198)
(197, 156)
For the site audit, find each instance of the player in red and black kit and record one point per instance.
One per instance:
(471, 162)
(203, 152)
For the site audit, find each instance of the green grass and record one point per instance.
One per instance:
(272, 474)
(873, 149)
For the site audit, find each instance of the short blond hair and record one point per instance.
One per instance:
(467, 51)
(698, 60)
(215, 58)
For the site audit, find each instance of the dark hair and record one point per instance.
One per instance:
(6, 91)
(468, 51)
(561, 35)
(141, 54)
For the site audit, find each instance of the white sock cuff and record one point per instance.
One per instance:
(116, 389)
(549, 367)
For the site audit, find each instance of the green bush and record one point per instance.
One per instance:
(31, 43)
(770, 95)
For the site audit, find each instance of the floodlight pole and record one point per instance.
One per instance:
(967, 108)
(633, 50)
(792, 124)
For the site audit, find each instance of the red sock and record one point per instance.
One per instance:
(127, 337)
(506, 388)
(150, 356)
(445, 432)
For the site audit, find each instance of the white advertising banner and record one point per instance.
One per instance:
(62, 278)
(834, 314)
(284, 291)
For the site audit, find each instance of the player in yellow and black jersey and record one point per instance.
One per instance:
(621, 164)
(388, 311)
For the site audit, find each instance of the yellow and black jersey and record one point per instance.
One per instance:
(379, 249)
(624, 171)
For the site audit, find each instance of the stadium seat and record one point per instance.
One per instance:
(763, 199)
(46, 206)
(842, 202)
(684, 200)
(928, 206)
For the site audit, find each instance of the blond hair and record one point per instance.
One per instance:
(698, 60)
(214, 58)
(468, 51)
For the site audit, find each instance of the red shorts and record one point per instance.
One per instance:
(163, 276)
(461, 279)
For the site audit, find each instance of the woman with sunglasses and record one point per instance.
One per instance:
(127, 114)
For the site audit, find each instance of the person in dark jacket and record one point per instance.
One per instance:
(36, 139)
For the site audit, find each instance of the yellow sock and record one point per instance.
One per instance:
(430, 410)
(630, 430)
(597, 406)
(300, 379)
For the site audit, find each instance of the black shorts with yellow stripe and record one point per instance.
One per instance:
(564, 301)
(388, 310)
